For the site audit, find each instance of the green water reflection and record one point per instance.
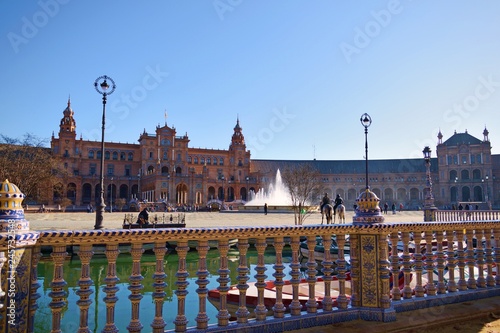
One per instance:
(97, 314)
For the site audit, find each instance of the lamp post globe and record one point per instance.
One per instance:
(102, 86)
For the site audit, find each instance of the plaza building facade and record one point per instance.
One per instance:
(162, 167)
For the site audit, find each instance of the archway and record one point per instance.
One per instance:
(71, 192)
(465, 193)
(86, 193)
(454, 194)
(181, 194)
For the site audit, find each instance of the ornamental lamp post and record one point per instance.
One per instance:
(248, 190)
(223, 193)
(102, 87)
(366, 121)
(111, 197)
(367, 204)
(429, 208)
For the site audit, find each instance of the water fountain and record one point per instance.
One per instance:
(276, 196)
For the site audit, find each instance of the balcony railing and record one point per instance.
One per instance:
(431, 261)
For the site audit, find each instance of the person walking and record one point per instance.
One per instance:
(386, 206)
(265, 208)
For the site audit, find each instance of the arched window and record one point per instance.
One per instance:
(130, 156)
(464, 174)
(122, 156)
(221, 161)
(115, 155)
(99, 154)
(453, 175)
(209, 161)
(91, 154)
(196, 160)
(107, 155)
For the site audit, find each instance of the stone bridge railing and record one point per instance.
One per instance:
(450, 249)
(467, 215)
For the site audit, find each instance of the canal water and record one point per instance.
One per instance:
(97, 311)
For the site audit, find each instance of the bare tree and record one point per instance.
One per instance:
(28, 164)
(303, 182)
(120, 203)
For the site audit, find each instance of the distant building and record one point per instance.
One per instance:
(162, 167)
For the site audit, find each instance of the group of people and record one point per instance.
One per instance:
(327, 201)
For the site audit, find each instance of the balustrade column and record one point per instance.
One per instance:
(35, 259)
(418, 264)
(311, 304)
(224, 282)
(342, 300)
(159, 285)
(57, 285)
(85, 282)
(135, 287)
(429, 264)
(202, 281)
(440, 262)
(496, 233)
(260, 310)
(182, 274)
(490, 280)
(327, 264)
(396, 292)
(295, 307)
(462, 284)
(481, 281)
(3, 260)
(111, 289)
(355, 271)
(279, 307)
(383, 267)
(242, 313)
(451, 261)
(407, 291)
(470, 259)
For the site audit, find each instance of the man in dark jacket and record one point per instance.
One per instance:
(325, 201)
(338, 201)
(143, 217)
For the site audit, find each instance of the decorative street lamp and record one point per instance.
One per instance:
(102, 87)
(367, 208)
(486, 197)
(111, 197)
(223, 194)
(429, 208)
(366, 121)
(248, 190)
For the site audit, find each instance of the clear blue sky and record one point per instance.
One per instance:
(298, 74)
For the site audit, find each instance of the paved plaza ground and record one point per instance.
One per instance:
(78, 221)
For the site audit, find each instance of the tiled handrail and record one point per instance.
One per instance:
(413, 267)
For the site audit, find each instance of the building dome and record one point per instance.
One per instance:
(11, 209)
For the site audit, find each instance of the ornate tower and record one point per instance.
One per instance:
(67, 127)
